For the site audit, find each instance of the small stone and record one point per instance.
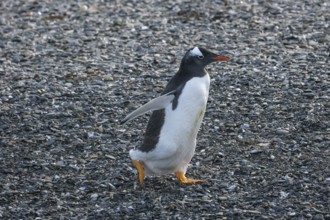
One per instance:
(282, 131)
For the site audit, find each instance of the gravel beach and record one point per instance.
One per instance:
(70, 72)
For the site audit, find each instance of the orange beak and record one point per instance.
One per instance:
(221, 58)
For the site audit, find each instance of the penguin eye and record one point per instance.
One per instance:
(200, 57)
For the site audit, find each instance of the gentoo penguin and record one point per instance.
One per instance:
(170, 137)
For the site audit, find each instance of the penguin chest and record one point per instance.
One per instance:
(183, 122)
(178, 134)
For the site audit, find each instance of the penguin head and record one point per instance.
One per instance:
(201, 57)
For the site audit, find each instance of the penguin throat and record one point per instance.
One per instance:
(191, 69)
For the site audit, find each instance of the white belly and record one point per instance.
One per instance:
(177, 140)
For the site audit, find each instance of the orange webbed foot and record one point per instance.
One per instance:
(183, 179)
(140, 169)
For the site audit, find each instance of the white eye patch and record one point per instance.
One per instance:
(196, 52)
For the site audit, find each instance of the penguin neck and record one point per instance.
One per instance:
(191, 69)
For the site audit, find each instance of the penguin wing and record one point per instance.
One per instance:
(155, 104)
